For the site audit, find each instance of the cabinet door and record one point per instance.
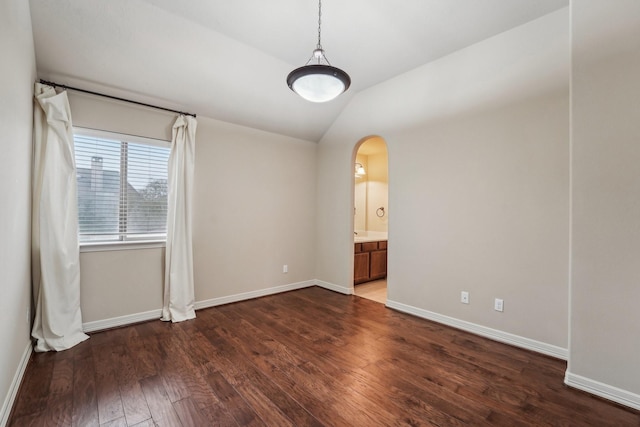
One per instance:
(361, 267)
(378, 268)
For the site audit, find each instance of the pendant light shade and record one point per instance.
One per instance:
(318, 81)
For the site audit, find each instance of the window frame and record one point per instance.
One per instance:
(131, 242)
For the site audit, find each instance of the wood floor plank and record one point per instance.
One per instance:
(134, 403)
(195, 377)
(320, 393)
(267, 399)
(108, 392)
(318, 408)
(160, 406)
(240, 410)
(85, 403)
(59, 402)
(35, 386)
(359, 382)
(118, 422)
(353, 355)
(190, 415)
(421, 396)
(34, 419)
(174, 373)
(310, 357)
(300, 323)
(334, 361)
(145, 346)
(244, 379)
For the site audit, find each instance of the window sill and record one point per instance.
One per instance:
(121, 246)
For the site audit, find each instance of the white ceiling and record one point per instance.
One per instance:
(228, 60)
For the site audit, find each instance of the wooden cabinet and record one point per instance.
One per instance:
(361, 267)
(378, 265)
(370, 261)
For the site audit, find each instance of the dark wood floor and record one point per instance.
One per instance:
(305, 358)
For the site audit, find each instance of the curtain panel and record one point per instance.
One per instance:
(55, 251)
(179, 299)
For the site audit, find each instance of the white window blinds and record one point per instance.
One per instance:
(122, 187)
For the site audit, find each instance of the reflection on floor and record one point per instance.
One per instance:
(376, 290)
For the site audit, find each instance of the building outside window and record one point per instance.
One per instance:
(122, 187)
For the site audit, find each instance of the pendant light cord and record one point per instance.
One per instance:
(319, 22)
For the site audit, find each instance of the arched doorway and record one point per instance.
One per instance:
(370, 218)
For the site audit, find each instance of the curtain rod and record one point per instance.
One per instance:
(114, 97)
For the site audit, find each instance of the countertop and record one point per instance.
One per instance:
(369, 236)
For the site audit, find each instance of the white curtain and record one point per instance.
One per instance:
(55, 252)
(178, 277)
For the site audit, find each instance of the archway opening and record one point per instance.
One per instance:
(371, 218)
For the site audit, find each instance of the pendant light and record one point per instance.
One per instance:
(317, 80)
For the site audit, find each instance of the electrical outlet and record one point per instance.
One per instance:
(498, 305)
(464, 297)
(285, 268)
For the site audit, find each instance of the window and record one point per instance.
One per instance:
(122, 187)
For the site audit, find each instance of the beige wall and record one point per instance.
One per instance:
(371, 191)
(478, 183)
(378, 192)
(360, 193)
(120, 283)
(17, 76)
(254, 212)
(605, 286)
(481, 205)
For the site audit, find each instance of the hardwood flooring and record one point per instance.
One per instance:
(303, 358)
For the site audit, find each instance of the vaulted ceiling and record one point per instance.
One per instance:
(228, 60)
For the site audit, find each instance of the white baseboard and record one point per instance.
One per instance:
(494, 334)
(606, 391)
(333, 287)
(253, 294)
(114, 322)
(15, 385)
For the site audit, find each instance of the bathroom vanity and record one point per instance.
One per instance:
(370, 261)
